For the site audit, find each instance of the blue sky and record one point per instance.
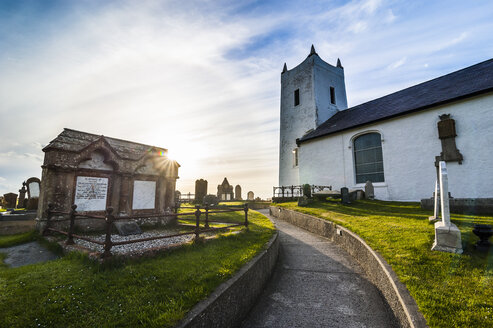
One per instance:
(202, 78)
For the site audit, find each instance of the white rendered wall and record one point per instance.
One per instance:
(295, 120)
(326, 76)
(409, 146)
(312, 77)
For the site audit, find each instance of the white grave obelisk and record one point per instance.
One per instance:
(447, 235)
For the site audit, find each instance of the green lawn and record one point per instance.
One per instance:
(451, 290)
(11, 240)
(156, 292)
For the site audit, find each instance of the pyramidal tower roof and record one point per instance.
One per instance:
(312, 51)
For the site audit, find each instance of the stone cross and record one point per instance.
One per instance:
(447, 235)
(22, 196)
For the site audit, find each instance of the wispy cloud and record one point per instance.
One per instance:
(202, 78)
(398, 63)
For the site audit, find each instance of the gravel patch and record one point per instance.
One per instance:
(134, 247)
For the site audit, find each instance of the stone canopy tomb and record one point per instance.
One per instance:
(225, 191)
(95, 172)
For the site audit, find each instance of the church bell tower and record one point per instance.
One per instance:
(311, 93)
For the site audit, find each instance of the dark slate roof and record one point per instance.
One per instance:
(461, 84)
(75, 141)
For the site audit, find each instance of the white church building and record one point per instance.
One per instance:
(393, 141)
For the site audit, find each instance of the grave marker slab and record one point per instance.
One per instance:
(238, 192)
(345, 196)
(126, 228)
(200, 190)
(436, 206)
(369, 190)
(10, 199)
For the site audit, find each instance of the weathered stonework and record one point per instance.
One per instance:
(97, 172)
(225, 191)
(238, 193)
(447, 134)
(10, 200)
(200, 190)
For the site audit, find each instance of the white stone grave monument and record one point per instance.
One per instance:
(447, 235)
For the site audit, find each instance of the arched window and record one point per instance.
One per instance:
(368, 159)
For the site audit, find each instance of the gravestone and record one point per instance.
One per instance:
(447, 235)
(250, 195)
(436, 204)
(345, 196)
(447, 134)
(369, 190)
(126, 228)
(22, 196)
(211, 200)
(10, 200)
(323, 194)
(238, 192)
(200, 190)
(33, 191)
(33, 187)
(177, 196)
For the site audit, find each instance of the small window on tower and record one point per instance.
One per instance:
(295, 157)
(332, 95)
(296, 97)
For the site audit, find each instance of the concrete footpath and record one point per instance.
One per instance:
(317, 284)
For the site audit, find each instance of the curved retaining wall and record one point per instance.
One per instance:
(229, 304)
(376, 268)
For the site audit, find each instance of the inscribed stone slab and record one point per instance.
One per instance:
(91, 193)
(34, 189)
(144, 195)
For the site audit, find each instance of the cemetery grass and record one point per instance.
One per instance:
(21, 238)
(451, 290)
(156, 292)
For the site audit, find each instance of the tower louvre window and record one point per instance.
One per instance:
(332, 95)
(296, 97)
(295, 157)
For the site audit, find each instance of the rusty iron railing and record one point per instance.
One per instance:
(109, 219)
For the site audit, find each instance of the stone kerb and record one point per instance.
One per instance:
(376, 268)
(229, 304)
